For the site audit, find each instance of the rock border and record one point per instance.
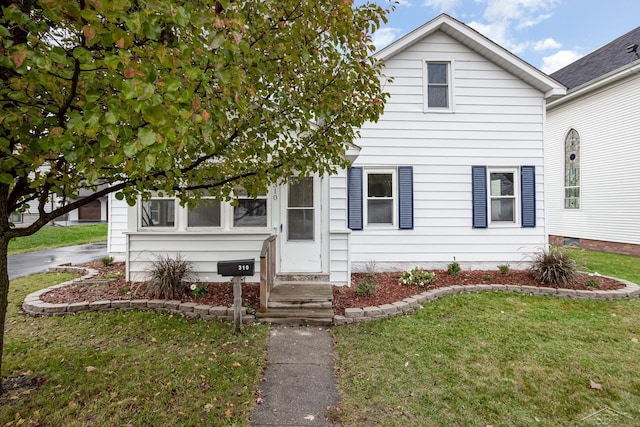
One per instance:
(34, 306)
(410, 304)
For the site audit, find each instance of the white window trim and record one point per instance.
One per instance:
(201, 227)
(450, 79)
(394, 197)
(516, 196)
(176, 215)
(181, 219)
(229, 216)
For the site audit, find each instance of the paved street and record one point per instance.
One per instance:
(38, 262)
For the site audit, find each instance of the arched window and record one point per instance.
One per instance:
(572, 170)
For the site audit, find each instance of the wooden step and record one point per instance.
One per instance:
(302, 277)
(294, 292)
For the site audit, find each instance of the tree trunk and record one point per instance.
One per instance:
(4, 295)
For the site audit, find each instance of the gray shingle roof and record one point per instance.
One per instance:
(608, 58)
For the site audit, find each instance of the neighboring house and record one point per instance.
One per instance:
(592, 151)
(96, 211)
(453, 170)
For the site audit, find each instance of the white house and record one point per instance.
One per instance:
(453, 170)
(593, 152)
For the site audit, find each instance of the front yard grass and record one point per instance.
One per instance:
(50, 237)
(497, 359)
(127, 368)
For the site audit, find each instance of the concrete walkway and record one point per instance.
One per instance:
(299, 380)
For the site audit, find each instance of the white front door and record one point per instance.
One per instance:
(300, 239)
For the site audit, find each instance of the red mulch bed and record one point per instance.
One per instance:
(388, 289)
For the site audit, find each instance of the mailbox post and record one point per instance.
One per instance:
(237, 269)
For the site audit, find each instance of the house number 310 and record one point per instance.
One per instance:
(243, 267)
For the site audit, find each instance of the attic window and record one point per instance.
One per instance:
(438, 91)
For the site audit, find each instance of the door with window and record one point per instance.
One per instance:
(300, 237)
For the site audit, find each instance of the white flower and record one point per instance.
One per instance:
(193, 286)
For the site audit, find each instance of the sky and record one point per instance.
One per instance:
(548, 34)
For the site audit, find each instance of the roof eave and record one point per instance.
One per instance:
(481, 44)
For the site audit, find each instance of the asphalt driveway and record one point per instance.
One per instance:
(38, 262)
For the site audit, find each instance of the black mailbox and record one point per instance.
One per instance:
(242, 267)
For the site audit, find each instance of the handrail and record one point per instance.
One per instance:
(267, 270)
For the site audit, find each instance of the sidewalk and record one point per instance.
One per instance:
(299, 380)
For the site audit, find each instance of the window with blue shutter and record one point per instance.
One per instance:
(479, 196)
(405, 197)
(354, 198)
(528, 196)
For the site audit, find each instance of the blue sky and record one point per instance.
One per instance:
(548, 34)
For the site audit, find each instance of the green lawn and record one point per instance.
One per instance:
(127, 368)
(54, 237)
(497, 359)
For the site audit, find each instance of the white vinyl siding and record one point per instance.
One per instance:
(608, 121)
(498, 121)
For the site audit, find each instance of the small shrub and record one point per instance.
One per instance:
(198, 289)
(453, 269)
(124, 289)
(167, 276)
(108, 260)
(554, 267)
(417, 277)
(504, 269)
(486, 277)
(592, 283)
(366, 287)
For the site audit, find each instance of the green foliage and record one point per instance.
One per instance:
(366, 286)
(486, 277)
(592, 283)
(198, 289)
(167, 276)
(453, 269)
(190, 98)
(504, 269)
(108, 260)
(417, 277)
(555, 267)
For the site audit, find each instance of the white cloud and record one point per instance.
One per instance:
(521, 11)
(441, 5)
(385, 36)
(558, 60)
(546, 44)
(498, 32)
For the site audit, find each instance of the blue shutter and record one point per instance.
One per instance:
(479, 196)
(405, 197)
(354, 198)
(528, 195)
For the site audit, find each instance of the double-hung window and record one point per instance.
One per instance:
(503, 196)
(380, 194)
(502, 193)
(379, 197)
(438, 91)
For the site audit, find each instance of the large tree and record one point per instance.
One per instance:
(178, 96)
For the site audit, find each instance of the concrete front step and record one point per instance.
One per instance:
(290, 316)
(302, 277)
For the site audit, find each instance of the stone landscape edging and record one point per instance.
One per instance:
(34, 306)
